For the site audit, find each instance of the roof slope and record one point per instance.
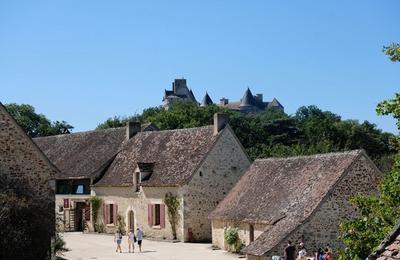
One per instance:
(390, 247)
(79, 155)
(175, 155)
(283, 192)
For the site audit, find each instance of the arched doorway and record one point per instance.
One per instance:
(131, 220)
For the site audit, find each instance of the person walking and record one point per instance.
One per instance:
(139, 236)
(290, 251)
(118, 240)
(320, 254)
(131, 241)
(302, 252)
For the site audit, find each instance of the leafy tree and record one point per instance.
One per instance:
(378, 213)
(34, 124)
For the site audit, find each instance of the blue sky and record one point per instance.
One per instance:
(85, 61)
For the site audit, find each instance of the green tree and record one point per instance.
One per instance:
(35, 124)
(378, 213)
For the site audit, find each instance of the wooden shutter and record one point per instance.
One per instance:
(107, 208)
(150, 214)
(104, 214)
(162, 215)
(115, 209)
(66, 203)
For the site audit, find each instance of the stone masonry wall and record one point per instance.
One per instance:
(323, 227)
(219, 227)
(129, 200)
(220, 171)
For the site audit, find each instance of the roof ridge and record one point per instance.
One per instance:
(352, 152)
(82, 132)
(178, 130)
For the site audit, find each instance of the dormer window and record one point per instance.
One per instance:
(142, 174)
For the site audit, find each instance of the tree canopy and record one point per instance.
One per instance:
(35, 124)
(274, 133)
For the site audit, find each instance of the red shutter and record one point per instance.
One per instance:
(162, 216)
(115, 213)
(104, 214)
(66, 203)
(107, 214)
(150, 214)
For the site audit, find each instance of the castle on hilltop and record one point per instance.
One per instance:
(249, 102)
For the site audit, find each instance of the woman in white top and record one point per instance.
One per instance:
(131, 241)
(302, 253)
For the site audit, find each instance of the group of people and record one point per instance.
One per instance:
(290, 253)
(132, 239)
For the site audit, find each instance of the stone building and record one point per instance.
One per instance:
(248, 104)
(198, 165)
(251, 103)
(301, 199)
(82, 159)
(180, 92)
(25, 172)
(389, 249)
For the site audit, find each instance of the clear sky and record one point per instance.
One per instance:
(85, 61)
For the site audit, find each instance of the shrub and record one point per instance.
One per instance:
(173, 205)
(231, 236)
(95, 202)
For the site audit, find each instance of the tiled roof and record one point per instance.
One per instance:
(282, 192)
(174, 154)
(79, 155)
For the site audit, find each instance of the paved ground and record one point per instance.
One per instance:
(94, 246)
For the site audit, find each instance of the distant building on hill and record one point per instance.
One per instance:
(248, 104)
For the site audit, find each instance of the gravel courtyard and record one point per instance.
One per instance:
(94, 246)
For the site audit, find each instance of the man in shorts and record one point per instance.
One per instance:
(139, 237)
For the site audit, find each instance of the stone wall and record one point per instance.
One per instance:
(219, 227)
(26, 172)
(129, 200)
(323, 227)
(220, 171)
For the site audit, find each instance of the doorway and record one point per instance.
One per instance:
(131, 220)
(79, 206)
(251, 231)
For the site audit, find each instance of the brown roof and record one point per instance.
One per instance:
(174, 154)
(390, 247)
(79, 155)
(282, 192)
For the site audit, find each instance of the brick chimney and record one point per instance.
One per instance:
(132, 128)
(220, 121)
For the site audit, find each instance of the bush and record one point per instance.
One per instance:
(232, 238)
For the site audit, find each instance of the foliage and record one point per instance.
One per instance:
(96, 203)
(36, 124)
(173, 204)
(390, 107)
(27, 223)
(59, 245)
(99, 227)
(121, 225)
(231, 236)
(274, 133)
(392, 51)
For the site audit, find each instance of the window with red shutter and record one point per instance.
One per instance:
(66, 203)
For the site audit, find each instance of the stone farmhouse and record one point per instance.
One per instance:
(301, 199)
(23, 165)
(82, 159)
(248, 104)
(198, 165)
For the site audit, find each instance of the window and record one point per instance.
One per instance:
(62, 187)
(137, 181)
(79, 189)
(111, 213)
(156, 215)
(251, 231)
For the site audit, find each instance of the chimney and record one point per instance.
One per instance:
(259, 97)
(220, 121)
(132, 128)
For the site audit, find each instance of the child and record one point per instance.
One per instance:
(118, 239)
(131, 241)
